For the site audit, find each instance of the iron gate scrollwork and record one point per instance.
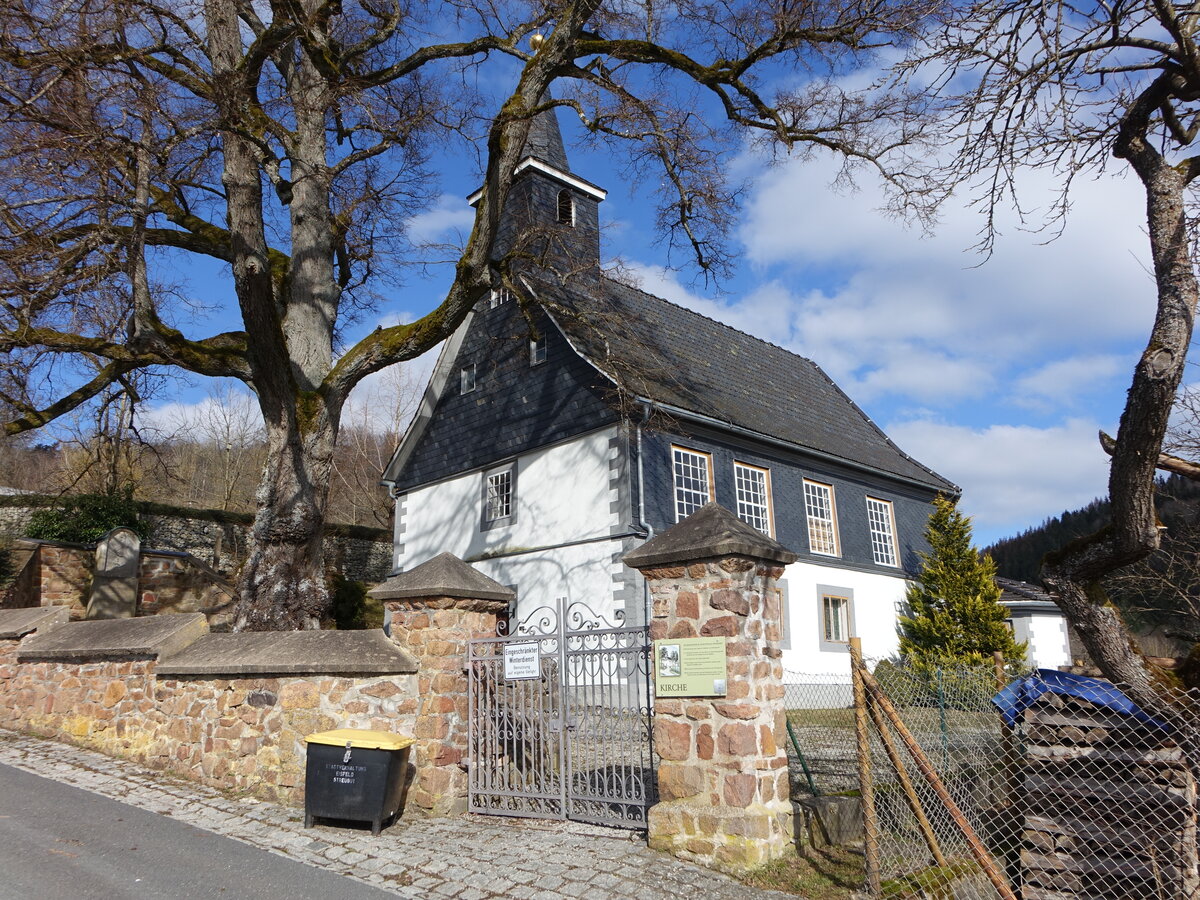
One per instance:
(569, 736)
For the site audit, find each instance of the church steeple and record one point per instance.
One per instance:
(548, 204)
(545, 141)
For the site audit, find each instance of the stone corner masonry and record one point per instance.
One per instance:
(435, 609)
(724, 795)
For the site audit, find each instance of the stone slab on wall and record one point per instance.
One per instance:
(365, 652)
(17, 623)
(115, 639)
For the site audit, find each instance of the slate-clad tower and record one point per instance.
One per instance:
(554, 213)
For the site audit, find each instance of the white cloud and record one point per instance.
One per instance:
(1012, 476)
(1061, 380)
(873, 301)
(448, 219)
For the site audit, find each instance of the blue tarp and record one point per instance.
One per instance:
(1020, 695)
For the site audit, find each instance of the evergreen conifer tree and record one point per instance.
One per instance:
(954, 613)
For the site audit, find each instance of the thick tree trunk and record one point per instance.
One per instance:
(282, 585)
(1076, 571)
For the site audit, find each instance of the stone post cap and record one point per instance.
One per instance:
(443, 576)
(710, 531)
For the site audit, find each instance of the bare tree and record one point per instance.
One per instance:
(1067, 88)
(286, 138)
(371, 430)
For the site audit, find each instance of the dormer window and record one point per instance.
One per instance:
(500, 296)
(566, 209)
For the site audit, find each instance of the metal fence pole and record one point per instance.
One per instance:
(867, 788)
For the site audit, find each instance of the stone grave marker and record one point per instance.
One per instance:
(115, 583)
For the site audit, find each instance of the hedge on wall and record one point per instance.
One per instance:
(85, 518)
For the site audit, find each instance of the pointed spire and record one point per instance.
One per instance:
(545, 141)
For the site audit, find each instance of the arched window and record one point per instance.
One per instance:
(566, 208)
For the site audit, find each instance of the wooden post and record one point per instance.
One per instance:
(910, 793)
(927, 771)
(1008, 744)
(866, 786)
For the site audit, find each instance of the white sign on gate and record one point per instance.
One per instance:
(521, 661)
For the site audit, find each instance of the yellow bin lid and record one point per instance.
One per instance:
(360, 738)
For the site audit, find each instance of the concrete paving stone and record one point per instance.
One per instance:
(575, 889)
(548, 883)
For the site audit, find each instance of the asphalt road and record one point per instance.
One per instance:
(57, 841)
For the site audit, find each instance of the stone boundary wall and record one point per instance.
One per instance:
(219, 539)
(1111, 807)
(241, 733)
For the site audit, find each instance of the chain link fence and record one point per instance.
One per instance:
(1075, 795)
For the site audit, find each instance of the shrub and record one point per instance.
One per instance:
(353, 609)
(86, 518)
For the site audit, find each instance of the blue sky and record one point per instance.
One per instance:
(995, 372)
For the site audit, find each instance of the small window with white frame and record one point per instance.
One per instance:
(499, 496)
(753, 488)
(693, 480)
(466, 379)
(821, 512)
(837, 617)
(882, 519)
(537, 351)
(499, 296)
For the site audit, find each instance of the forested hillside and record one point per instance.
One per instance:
(1160, 595)
(1020, 557)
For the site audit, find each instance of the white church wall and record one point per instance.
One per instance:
(809, 659)
(562, 495)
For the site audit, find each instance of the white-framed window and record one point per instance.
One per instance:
(821, 512)
(566, 208)
(466, 379)
(537, 351)
(882, 519)
(836, 611)
(499, 297)
(499, 496)
(693, 480)
(753, 488)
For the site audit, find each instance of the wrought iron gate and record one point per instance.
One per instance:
(559, 719)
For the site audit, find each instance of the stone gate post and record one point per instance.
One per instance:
(723, 778)
(436, 608)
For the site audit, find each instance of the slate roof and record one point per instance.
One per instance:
(665, 353)
(1018, 592)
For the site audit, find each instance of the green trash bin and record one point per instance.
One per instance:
(355, 775)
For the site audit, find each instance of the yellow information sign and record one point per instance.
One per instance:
(690, 667)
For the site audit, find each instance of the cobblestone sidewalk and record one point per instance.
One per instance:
(472, 858)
